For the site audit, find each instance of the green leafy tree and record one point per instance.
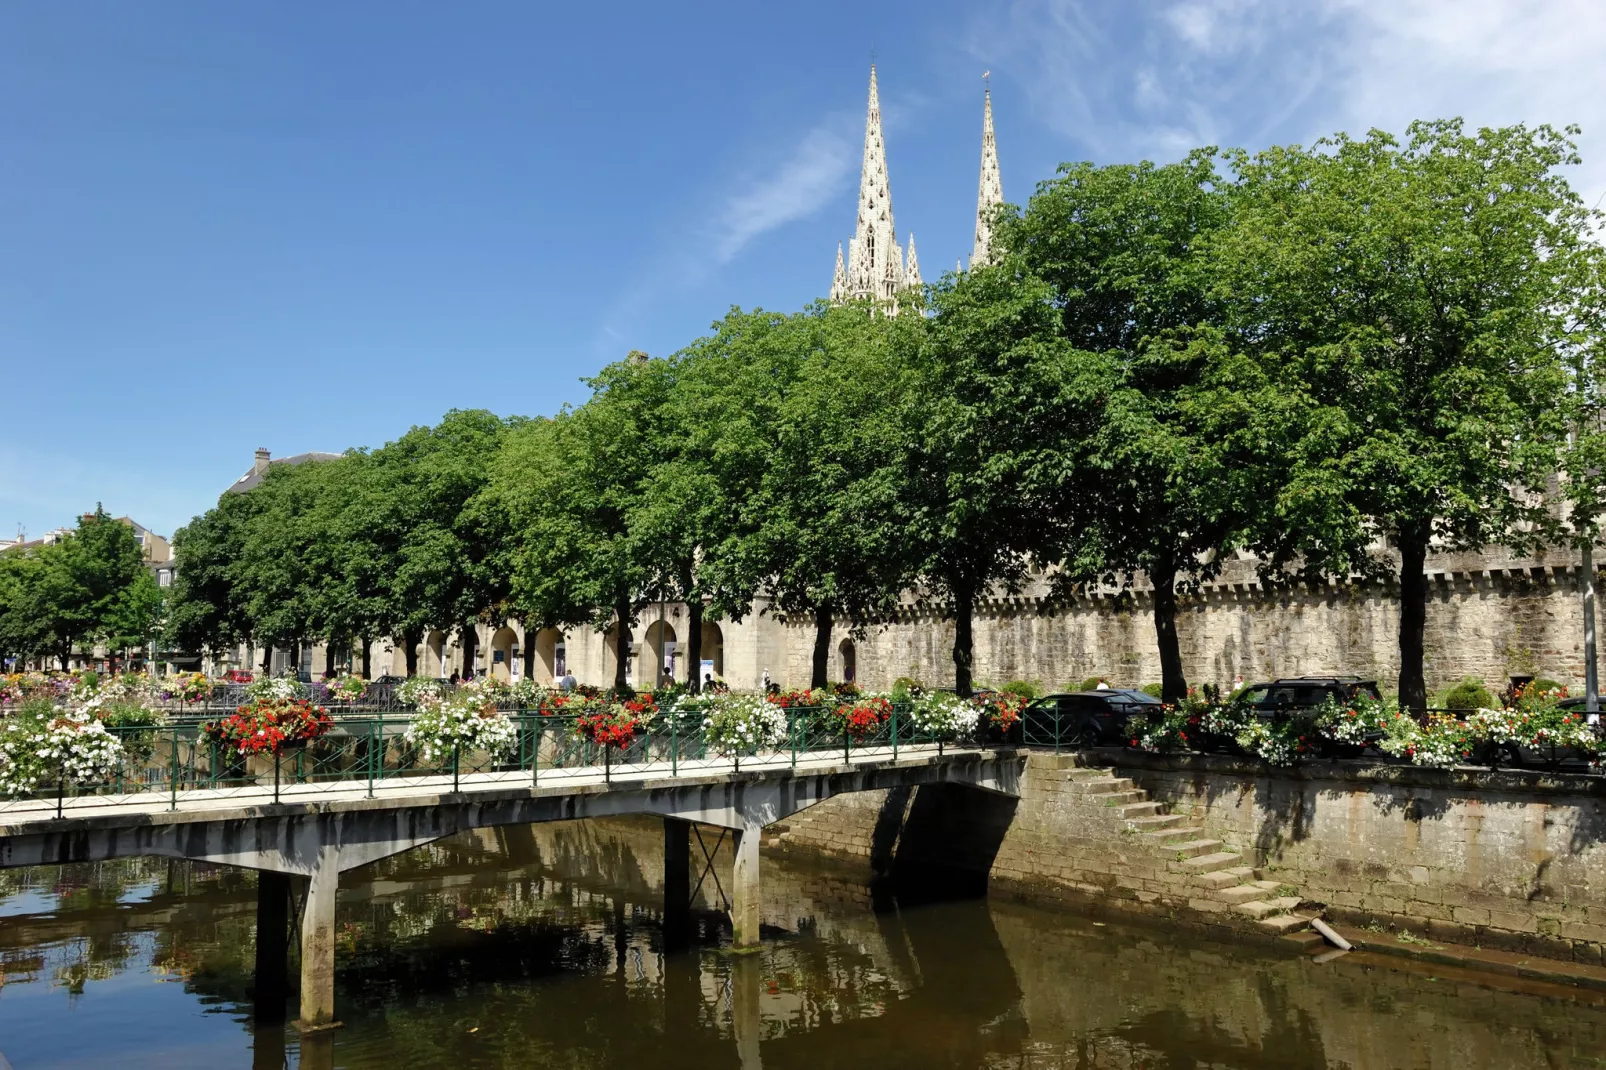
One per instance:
(799, 422)
(1416, 299)
(74, 587)
(205, 612)
(1168, 478)
(566, 487)
(682, 515)
(136, 619)
(272, 571)
(433, 533)
(985, 419)
(22, 633)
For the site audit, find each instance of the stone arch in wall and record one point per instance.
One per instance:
(847, 661)
(713, 650)
(504, 641)
(610, 658)
(662, 654)
(547, 641)
(433, 663)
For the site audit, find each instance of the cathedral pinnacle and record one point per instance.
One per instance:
(990, 189)
(911, 268)
(874, 268)
(839, 280)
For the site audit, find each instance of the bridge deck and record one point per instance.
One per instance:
(32, 816)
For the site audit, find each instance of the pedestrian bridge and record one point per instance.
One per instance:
(316, 831)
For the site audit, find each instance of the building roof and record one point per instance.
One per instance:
(254, 475)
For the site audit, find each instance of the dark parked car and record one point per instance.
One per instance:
(1083, 718)
(1298, 693)
(1302, 696)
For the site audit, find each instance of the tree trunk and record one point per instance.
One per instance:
(820, 672)
(1413, 617)
(694, 643)
(328, 658)
(410, 641)
(471, 643)
(295, 657)
(529, 654)
(267, 659)
(65, 656)
(1173, 684)
(964, 644)
(621, 647)
(367, 658)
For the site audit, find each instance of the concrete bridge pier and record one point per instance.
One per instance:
(269, 985)
(318, 941)
(677, 884)
(745, 887)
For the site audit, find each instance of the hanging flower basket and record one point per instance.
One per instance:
(268, 725)
(614, 726)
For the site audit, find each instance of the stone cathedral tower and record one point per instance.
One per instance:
(875, 264)
(876, 267)
(990, 190)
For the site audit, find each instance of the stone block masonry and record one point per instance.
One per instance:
(1489, 615)
(1513, 861)
(1079, 833)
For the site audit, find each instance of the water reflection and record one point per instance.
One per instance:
(545, 946)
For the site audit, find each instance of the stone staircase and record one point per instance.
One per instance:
(1214, 878)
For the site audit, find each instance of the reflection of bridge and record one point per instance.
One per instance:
(321, 830)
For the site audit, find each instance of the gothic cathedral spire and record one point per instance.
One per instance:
(875, 262)
(990, 190)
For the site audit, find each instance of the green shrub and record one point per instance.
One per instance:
(904, 687)
(1157, 690)
(1545, 683)
(1469, 694)
(1091, 683)
(1026, 689)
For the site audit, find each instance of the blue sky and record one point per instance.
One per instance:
(311, 226)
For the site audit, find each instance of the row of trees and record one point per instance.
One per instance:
(88, 587)
(1332, 359)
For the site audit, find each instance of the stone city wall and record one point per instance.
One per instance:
(1490, 615)
(1486, 622)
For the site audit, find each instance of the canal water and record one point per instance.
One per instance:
(544, 947)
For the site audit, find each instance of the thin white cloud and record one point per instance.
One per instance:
(796, 188)
(1125, 81)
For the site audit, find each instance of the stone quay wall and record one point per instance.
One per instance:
(1512, 861)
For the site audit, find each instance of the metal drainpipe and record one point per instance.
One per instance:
(1587, 581)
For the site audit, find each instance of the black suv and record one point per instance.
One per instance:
(1083, 718)
(1301, 697)
(1298, 693)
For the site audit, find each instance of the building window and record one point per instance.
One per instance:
(164, 577)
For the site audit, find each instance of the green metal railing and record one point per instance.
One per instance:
(178, 760)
